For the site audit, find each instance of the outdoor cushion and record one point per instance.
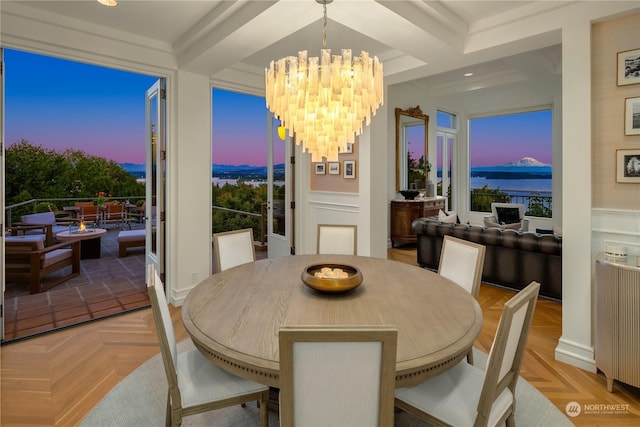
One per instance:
(131, 235)
(39, 218)
(38, 243)
(53, 257)
(26, 238)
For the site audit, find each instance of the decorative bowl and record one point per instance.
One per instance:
(409, 194)
(352, 280)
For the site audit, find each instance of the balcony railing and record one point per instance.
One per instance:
(12, 213)
(257, 221)
(537, 203)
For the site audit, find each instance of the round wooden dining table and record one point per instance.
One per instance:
(234, 316)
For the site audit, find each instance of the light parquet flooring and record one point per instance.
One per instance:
(55, 379)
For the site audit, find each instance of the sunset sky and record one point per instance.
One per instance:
(60, 104)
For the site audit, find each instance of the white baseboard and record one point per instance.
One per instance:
(576, 355)
(176, 299)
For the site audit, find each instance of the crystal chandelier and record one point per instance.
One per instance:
(325, 100)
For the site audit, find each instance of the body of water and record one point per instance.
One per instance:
(526, 185)
(256, 183)
(522, 179)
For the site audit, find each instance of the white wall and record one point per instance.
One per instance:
(188, 249)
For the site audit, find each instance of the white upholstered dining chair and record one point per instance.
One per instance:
(232, 248)
(337, 239)
(196, 385)
(468, 396)
(337, 376)
(462, 262)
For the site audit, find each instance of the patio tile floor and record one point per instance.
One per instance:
(106, 286)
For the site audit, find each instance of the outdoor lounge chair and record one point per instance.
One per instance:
(28, 260)
(47, 219)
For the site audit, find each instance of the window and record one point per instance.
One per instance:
(510, 158)
(446, 138)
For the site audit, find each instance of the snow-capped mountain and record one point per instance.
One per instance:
(527, 161)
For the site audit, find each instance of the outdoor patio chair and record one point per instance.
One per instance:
(62, 217)
(28, 260)
(115, 213)
(46, 219)
(89, 213)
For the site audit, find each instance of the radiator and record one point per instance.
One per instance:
(617, 316)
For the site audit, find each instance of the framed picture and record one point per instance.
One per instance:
(334, 168)
(632, 116)
(349, 169)
(348, 150)
(319, 168)
(628, 166)
(629, 67)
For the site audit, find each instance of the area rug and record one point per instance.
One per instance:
(140, 400)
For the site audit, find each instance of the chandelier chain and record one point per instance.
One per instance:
(324, 26)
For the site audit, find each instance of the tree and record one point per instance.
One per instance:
(34, 172)
(242, 197)
(481, 198)
(417, 169)
(538, 208)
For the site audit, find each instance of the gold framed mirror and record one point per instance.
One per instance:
(412, 149)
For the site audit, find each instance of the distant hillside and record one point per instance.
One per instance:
(133, 167)
(525, 168)
(245, 172)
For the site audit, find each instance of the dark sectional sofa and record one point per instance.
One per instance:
(513, 259)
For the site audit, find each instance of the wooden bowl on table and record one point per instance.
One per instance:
(331, 277)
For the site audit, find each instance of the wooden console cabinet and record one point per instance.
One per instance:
(403, 212)
(617, 344)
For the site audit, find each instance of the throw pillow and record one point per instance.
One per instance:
(490, 224)
(508, 215)
(450, 218)
(514, 226)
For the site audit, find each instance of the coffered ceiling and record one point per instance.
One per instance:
(421, 41)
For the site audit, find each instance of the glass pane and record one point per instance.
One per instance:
(510, 158)
(439, 170)
(446, 120)
(279, 186)
(153, 102)
(451, 140)
(415, 157)
(239, 163)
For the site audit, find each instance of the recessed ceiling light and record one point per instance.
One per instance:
(108, 2)
(468, 74)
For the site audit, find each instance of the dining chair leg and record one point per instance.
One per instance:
(167, 420)
(263, 404)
